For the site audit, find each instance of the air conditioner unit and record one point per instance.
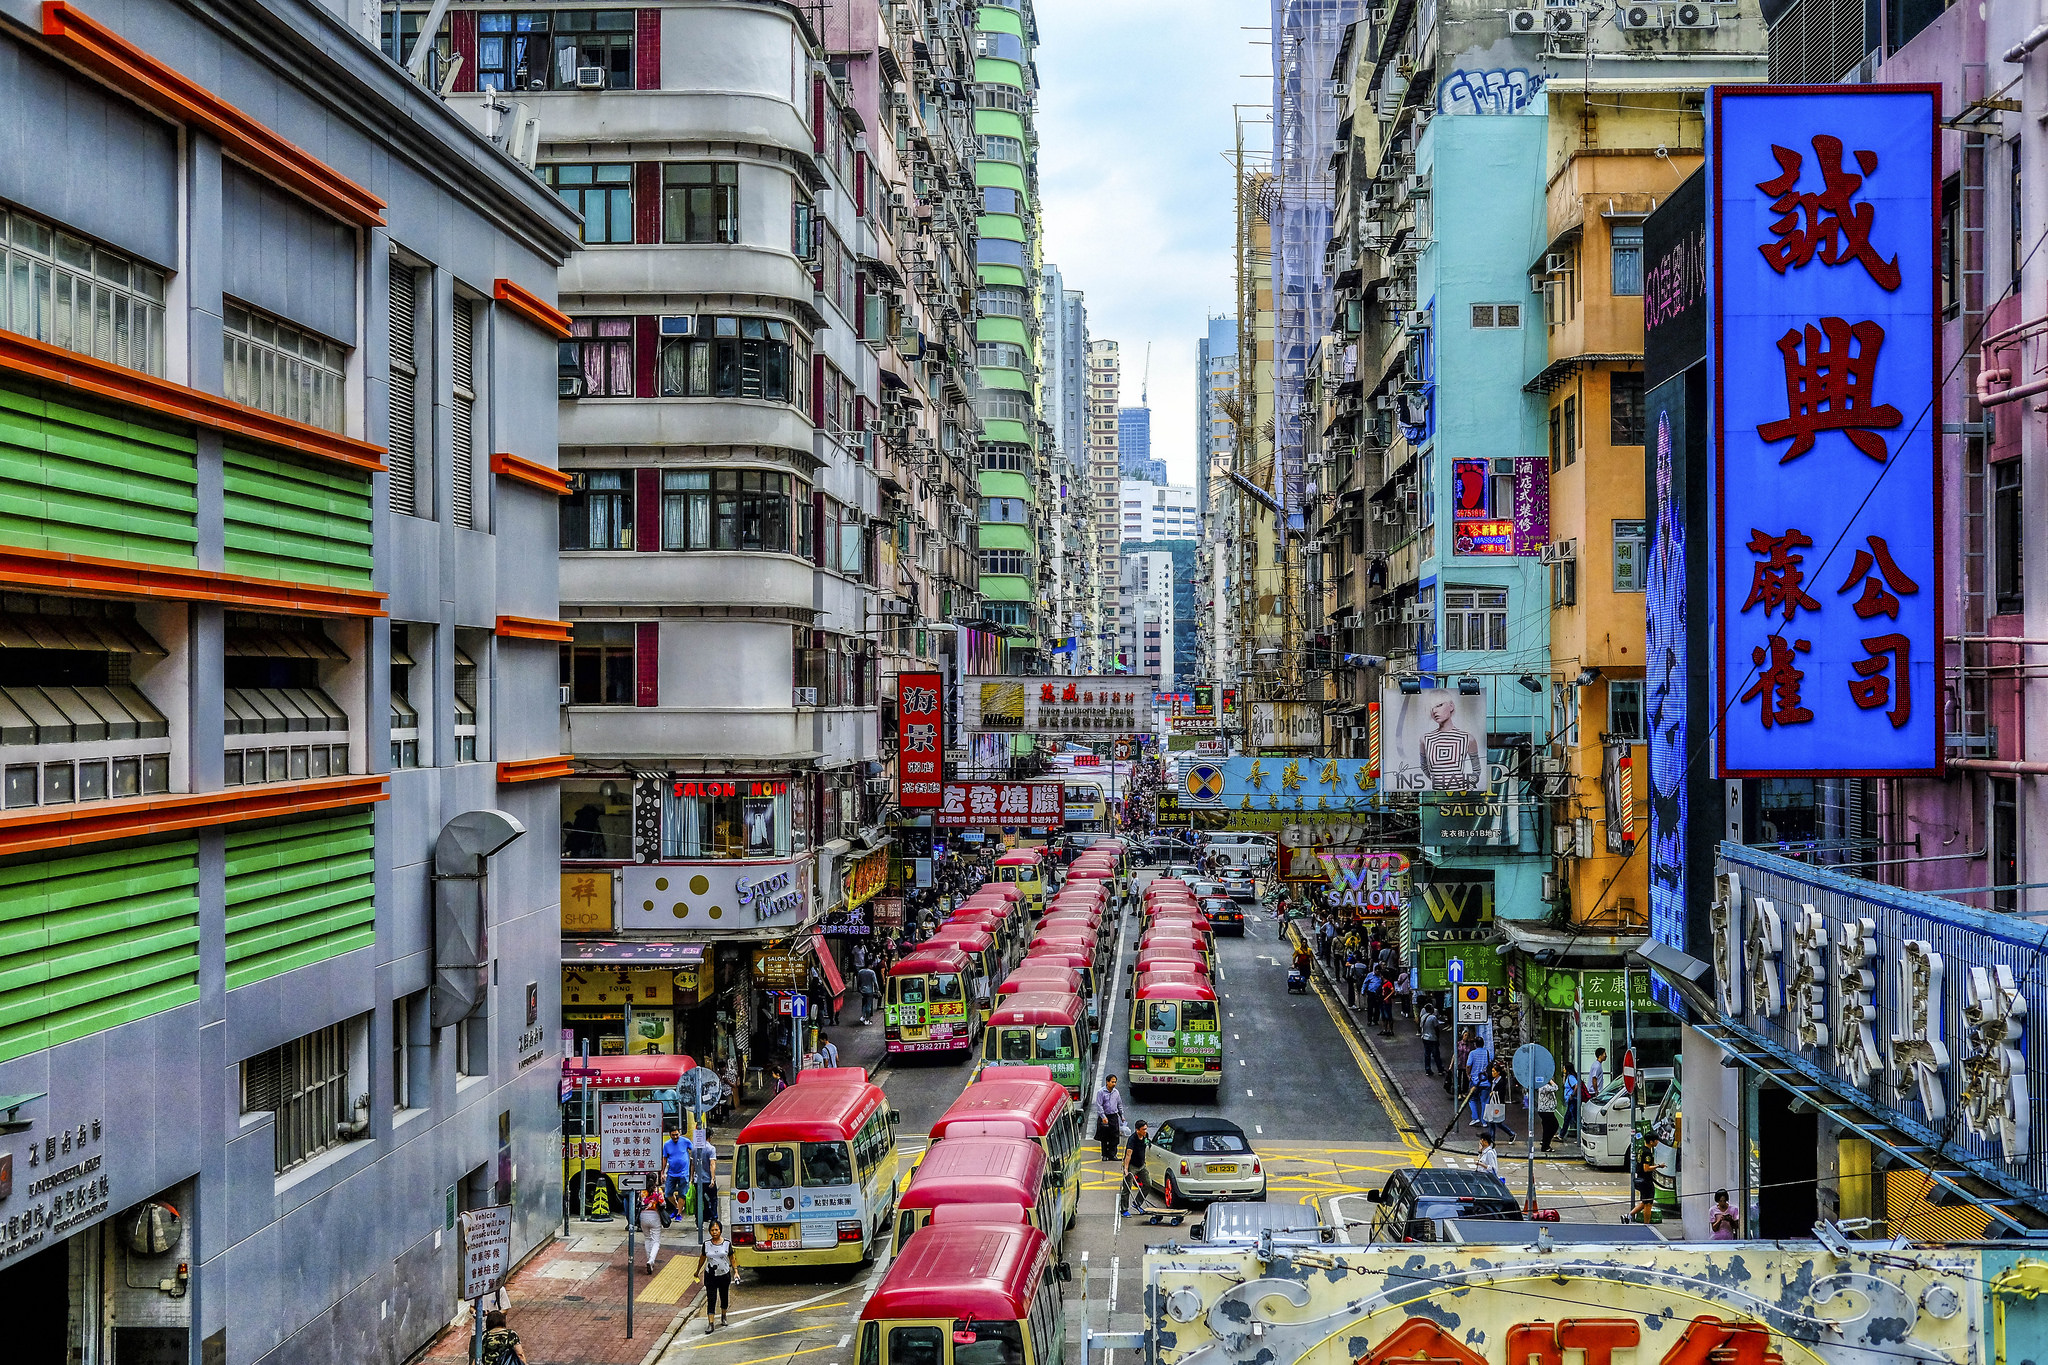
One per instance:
(896, 199)
(569, 386)
(1566, 21)
(590, 78)
(1565, 550)
(674, 325)
(568, 695)
(1693, 16)
(806, 696)
(1414, 614)
(1358, 732)
(1525, 21)
(1561, 841)
(1557, 263)
(1383, 401)
(1639, 16)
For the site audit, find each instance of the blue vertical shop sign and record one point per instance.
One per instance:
(1825, 358)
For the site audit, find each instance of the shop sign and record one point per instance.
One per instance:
(691, 788)
(887, 912)
(618, 952)
(617, 987)
(1432, 965)
(586, 902)
(1001, 803)
(1915, 1008)
(1286, 725)
(920, 739)
(65, 1181)
(1454, 904)
(866, 878)
(1120, 705)
(1478, 819)
(1591, 989)
(777, 969)
(1301, 787)
(848, 923)
(693, 984)
(1823, 290)
(714, 897)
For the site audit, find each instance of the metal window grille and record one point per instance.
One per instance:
(68, 292)
(462, 446)
(404, 401)
(304, 1084)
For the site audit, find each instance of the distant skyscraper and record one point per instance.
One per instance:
(1215, 380)
(1134, 445)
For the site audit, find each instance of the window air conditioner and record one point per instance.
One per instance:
(568, 695)
(806, 696)
(1414, 614)
(1358, 732)
(1557, 263)
(673, 325)
(590, 78)
(568, 387)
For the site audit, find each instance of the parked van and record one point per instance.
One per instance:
(1243, 1222)
(1244, 850)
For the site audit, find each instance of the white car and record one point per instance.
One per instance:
(1200, 1160)
(1607, 1125)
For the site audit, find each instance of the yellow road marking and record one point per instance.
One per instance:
(763, 1360)
(672, 1281)
(765, 1336)
(816, 1306)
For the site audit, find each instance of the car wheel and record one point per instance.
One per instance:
(1170, 1194)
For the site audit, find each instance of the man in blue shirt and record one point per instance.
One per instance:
(675, 1156)
(1476, 1065)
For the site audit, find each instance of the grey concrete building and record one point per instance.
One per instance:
(277, 437)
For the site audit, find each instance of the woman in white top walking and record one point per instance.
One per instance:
(717, 1275)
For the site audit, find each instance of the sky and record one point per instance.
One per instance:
(1134, 122)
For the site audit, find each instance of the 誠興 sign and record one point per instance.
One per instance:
(1823, 295)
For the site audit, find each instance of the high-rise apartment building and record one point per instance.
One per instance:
(1145, 615)
(1105, 382)
(1215, 386)
(278, 727)
(1071, 515)
(1134, 445)
(1157, 511)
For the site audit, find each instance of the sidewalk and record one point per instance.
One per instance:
(568, 1301)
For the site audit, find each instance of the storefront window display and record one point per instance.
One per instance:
(597, 820)
(630, 1010)
(710, 817)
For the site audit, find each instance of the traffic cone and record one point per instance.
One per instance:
(601, 1203)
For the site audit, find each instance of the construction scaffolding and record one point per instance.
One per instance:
(1306, 35)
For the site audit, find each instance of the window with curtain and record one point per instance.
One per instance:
(601, 349)
(602, 197)
(599, 514)
(1625, 257)
(725, 818)
(735, 509)
(734, 358)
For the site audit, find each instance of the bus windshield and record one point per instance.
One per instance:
(1013, 1045)
(1161, 1015)
(910, 990)
(1055, 1040)
(994, 1343)
(916, 1346)
(945, 986)
(1198, 1015)
(774, 1168)
(825, 1163)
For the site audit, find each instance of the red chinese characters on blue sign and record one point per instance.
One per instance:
(1822, 210)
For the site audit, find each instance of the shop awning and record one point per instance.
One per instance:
(830, 969)
(635, 951)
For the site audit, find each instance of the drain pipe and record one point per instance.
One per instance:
(2027, 44)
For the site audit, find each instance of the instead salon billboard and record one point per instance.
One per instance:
(1823, 292)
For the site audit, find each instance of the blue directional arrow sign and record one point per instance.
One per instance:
(1455, 971)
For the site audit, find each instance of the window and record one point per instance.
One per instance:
(1571, 429)
(735, 509)
(1625, 258)
(597, 663)
(2005, 844)
(1490, 315)
(996, 301)
(280, 726)
(1556, 439)
(276, 367)
(305, 1086)
(1005, 455)
(745, 818)
(597, 513)
(803, 226)
(1000, 354)
(1625, 407)
(402, 30)
(600, 352)
(602, 197)
(733, 358)
(597, 819)
(403, 457)
(844, 539)
(408, 1012)
(999, 510)
(1951, 246)
(1631, 556)
(2015, 202)
(587, 41)
(701, 203)
(462, 414)
(998, 148)
(405, 717)
(1006, 562)
(66, 291)
(1476, 618)
(1004, 405)
(1625, 711)
(469, 693)
(2008, 539)
(1564, 583)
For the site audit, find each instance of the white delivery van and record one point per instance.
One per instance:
(1245, 850)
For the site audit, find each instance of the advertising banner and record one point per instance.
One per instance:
(1278, 784)
(1454, 904)
(1367, 884)
(1532, 504)
(1823, 290)
(1002, 803)
(1286, 725)
(920, 738)
(1434, 740)
(1452, 820)
(1059, 705)
(710, 897)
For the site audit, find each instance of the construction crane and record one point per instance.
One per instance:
(1145, 380)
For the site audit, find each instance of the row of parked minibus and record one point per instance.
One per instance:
(1175, 1035)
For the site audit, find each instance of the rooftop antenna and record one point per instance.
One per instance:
(1145, 381)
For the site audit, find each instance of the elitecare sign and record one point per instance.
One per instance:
(1002, 803)
(919, 739)
(1823, 291)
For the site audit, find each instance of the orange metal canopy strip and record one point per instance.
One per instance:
(145, 79)
(52, 571)
(533, 628)
(544, 477)
(535, 769)
(534, 309)
(72, 826)
(83, 374)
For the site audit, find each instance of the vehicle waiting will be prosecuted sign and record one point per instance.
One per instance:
(629, 1137)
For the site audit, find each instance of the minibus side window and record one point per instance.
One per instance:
(740, 1161)
(906, 1223)
(916, 1346)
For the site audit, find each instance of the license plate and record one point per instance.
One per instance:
(779, 1237)
(1227, 1168)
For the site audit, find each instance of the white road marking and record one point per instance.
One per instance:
(772, 1309)
(1248, 1094)
(1259, 1128)
(843, 1340)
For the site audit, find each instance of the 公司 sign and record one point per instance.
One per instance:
(1823, 297)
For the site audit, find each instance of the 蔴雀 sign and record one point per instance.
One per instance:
(1822, 216)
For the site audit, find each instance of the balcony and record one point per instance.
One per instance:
(684, 422)
(697, 269)
(723, 579)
